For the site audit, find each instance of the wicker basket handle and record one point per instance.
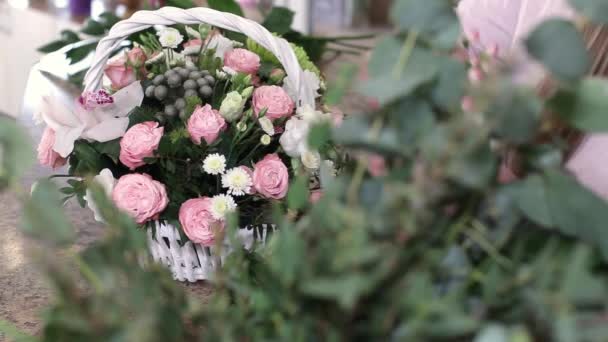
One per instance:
(143, 20)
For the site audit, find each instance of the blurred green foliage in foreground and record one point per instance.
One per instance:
(435, 250)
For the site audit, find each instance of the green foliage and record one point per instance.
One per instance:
(230, 6)
(434, 249)
(279, 20)
(593, 9)
(16, 155)
(567, 58)
(44, 218)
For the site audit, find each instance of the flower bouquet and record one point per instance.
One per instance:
(189, 126)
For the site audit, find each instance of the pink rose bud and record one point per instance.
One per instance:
(275, 100)
(243, 61)
(277, 75)
(46, 155)
(140, 142)
(119, 72)
(198, 223)
(315, 196)
(140, 196)
(137, 57)
(206, 123)
(270, 177)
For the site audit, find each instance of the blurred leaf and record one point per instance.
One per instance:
(279, 20)
(67, 37)
(297, 197)
(319, 135)
(475, 168)
(414, 119)
(108, 19)
(531, 198)
(421, 67)
(596, 10)
(93, 28)
(557, 44)
(185, 4)
(585, 106)
(16, 152)
(287, 255)
(345, 289)
(385, 56)
(354, 132)
(44, 218)
(580, 285)
(230, 6)
(451, 83)
(576, 211)
(343, 82)
(79, 53)
(517, 115)
(435, 19)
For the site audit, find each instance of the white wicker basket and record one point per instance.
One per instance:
(192, 262)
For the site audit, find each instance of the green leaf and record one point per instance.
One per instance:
(52, 46)
(108, 19)
(297, 197)
(516, 113)
(229, 6)
(585, 106)
(342, 83)
(79, 53)
(279, 20)
(580, 285)
(44, 217)
(451, 82)
(16, 152)
(421, 67)
(596, 10)
(558, 45)
(576, 211)
(93, 28)
(435, 20)
(531, 199)
(385, 56)
(319, 135)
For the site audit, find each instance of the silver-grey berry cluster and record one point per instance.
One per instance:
(174, 86)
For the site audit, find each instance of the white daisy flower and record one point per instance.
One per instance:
(214, 164)
(170, 37)
(221, 205)
(266, 125)
(238, 181)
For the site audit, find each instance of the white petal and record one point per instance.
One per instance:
(107, 181)
(57, 115)
(107, 130)
(126, 99)
(65, 138)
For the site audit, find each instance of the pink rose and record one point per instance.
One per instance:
(137, 57)
(119, 72)
(140, 142)
(270, 177)
(46, 155)
(206, 123)
(315, 196)
(140, 196)
(275, 100)
(198, 223)
(242, 60)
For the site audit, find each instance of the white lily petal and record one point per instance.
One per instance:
(126, 99)
(65, 138)
(107, 181)
(57, 115)
(107, 130)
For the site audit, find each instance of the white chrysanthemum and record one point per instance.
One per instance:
(221, 205)
(238, 181)
(214, 164)
(266, 125)
(170, 37)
